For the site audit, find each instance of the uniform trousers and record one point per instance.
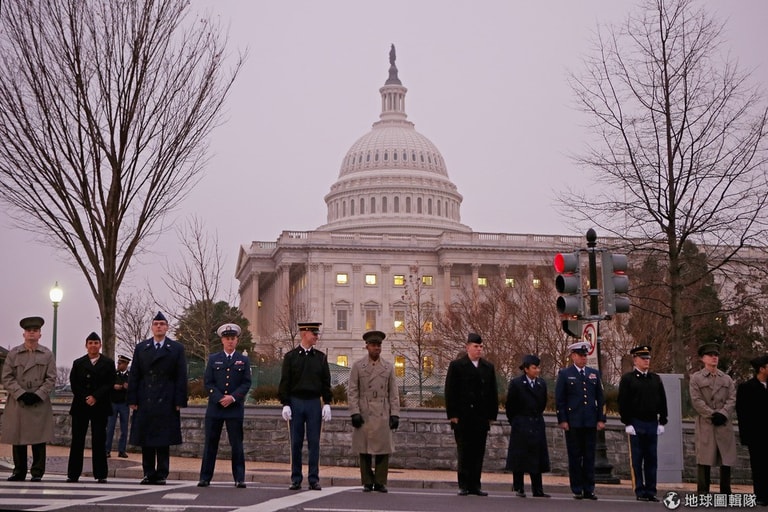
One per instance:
(98, 442)
(537, 484)
(643, 446)
(367, 474)
(212, 436)
(156, 462)
(580, 443)
(122, 412)
(470, 447)
(758, 461)
(306, 417)
(20, 460)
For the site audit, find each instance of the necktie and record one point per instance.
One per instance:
(157, 346)
(582, 373)
(229, 358)
(533, 383)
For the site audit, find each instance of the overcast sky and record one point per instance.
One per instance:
(486, 84)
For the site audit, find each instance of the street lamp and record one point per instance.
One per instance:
(56, 294)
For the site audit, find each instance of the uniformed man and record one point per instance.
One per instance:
(227, 381)
(118, 397)
(471, 403)
(91, 378)
(752, 412)
(157, 389)
(713, 396)
(643, 409)
(374, 406)
(29, 376)
(305, 379)
(580, 413)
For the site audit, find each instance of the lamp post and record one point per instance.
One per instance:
(56, 294)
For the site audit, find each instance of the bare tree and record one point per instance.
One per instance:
(285, 335)
(105, 112)
(681, 147)
(194, 286)
(133, 320)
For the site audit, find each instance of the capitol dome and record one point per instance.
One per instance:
(393, 179)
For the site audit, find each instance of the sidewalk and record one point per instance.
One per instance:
(183, 468)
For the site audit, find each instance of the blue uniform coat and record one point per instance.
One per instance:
(227, 378)
(157, 385)
(579, 401)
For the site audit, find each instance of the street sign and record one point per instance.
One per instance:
(589, 334)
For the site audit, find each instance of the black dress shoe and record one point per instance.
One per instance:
(240, 485)
(541, 495)
(463, 492)
(652, 498)
(145, 481)
(380, 488)
(294, 486)
(367, 488)
(578, 496)
(72, 480)
(36, 479)
(158, 481)
(122, 455)
(520, 494)
(315, 487)
(203, 483)
(101, 480)
(16, 478)
(478, 492)
(590, 496)
(641, 498)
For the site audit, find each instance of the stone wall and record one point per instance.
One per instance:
(423, 441)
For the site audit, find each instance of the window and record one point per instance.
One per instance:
(428, 326)
(428, 365)
(418, 205)
(398, 280)
(373, 205)
(397, 204)
(536, 282)
(341, 319)
(342, 278)
(352, 207)
(399, 366)
(407, 205)
(455, 281)
(370, 279)
(400, 321)
(509, 282)
(342, 361)
(370, 319)
(384, 204)
(482, 281)
(362, 206)
(426, 280)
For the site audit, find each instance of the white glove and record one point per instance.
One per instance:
(629, 429)
(287, 412)
(659, 430)
(326, 412)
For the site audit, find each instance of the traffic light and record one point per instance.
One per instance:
(568, 283)
(615, 283)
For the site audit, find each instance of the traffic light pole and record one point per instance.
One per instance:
(603, 468)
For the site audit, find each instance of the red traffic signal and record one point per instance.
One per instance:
(568, 283)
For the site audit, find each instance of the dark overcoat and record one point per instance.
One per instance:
(224, 377)
(752, 412)
(158, 386)
(527, 439)
(470, 393)
(95, 380)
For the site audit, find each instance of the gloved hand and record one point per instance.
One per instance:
(394, 422)
(719, 419)
(357, 421)
(326, 412)
(29, 398)
(629, 429)
(660, 430)
(287, 412)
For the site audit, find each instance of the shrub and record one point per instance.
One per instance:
(196, 389)
(339, 393)
(266, 393)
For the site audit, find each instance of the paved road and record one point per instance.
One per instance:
(123, 495)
